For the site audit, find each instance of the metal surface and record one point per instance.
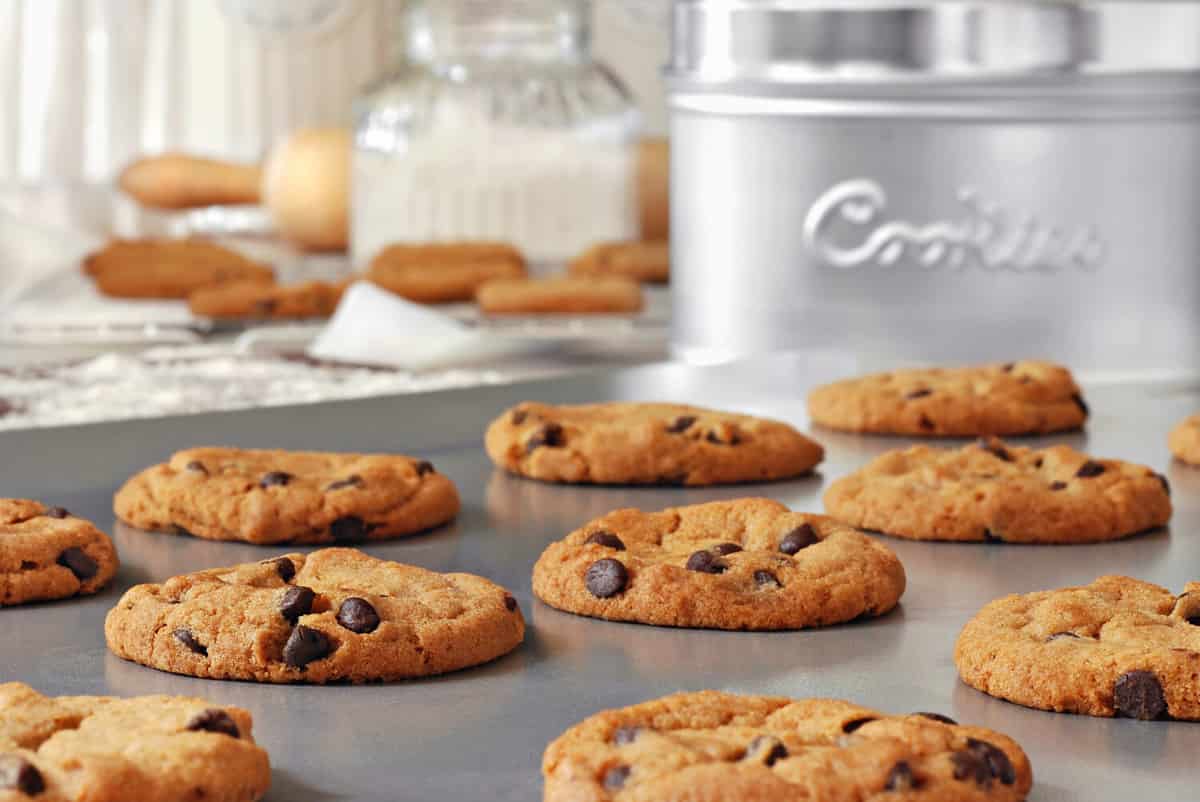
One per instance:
(479, 734)
(838, 176)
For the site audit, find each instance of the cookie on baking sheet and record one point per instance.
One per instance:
(638, 443)
(1008, 399)
(270, 497)
(47, 553)
(744, 564)
(443, 272)
(105, 749)
(1184, 440)
(1116, 647)
(711, 746)
(648, 262)
(560, 296)
(249, 300)
(334, 615)
(160, 268)
(993, 492)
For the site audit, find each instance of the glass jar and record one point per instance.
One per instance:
(498, 125)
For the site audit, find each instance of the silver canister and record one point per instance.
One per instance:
(937, 181)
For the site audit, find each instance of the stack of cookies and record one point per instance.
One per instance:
(1116, 647)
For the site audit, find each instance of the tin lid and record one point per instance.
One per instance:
(876, 42)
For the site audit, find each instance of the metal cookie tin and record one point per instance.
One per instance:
(950, 181)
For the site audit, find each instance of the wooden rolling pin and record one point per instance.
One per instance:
(305, 184)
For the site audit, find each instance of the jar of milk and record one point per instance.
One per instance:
(497, 125)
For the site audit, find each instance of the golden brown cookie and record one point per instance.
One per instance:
(639, 443)
(143, 749)
(333, 615)
(744, 564)
(247, 300)
(1116, 647)
(648, 262)
(990, 491)
(724, 747)
(1013, 398)
(270, 497)
(152, 268)
(560, 296)
(441, 273)
(47, 553)
(1185, 440)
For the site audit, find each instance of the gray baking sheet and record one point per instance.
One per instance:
(479, 734)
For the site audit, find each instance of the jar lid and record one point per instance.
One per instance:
(873, 42)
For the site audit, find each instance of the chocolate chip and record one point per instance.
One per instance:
(717, 438)
(76, 560)
(999, 766)
(304, 646)
(992, 537)
(1089, 469)
(295, 602)
(1061, 635)
(285, 567)
(922, 393)
(348, 529)
(274, 478)
(510, 603)
(18, 774)
(970, 766)
(56, 512)
(995, 448)
(900, 778)
(1079, 402)
(213, 720)
(799, 538)
(1056, 485)
(854, 724)
(548, 435)
(1037, 463)
(349, 481)
(606, 539)
(615, 777)
(357, 615)
(189, 641)
(726, 548)
(28, 565)
(606, 578)
(179, 530)
(625, 735)
(1165, 484)
(425, 467)
(936, 717)
(1194, 620)
(1139, 694)
(681, 424)
(518, 417)
(1007, 367)
(927, 424)
(705, 563)
(767, 749)
(762, 578)
(197, 467)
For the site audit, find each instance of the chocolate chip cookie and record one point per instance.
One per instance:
(612, 295)
(648, 262)
(1185, 440)
(635, 443)
(105, 749)
(443, 272)
(333, 615)
(1116, 647)
(714, 746)
(993, 492)
(743, 564)
(1002, 399)
(270, 497)
(159, 268)
(249, 300)
(48, 553)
